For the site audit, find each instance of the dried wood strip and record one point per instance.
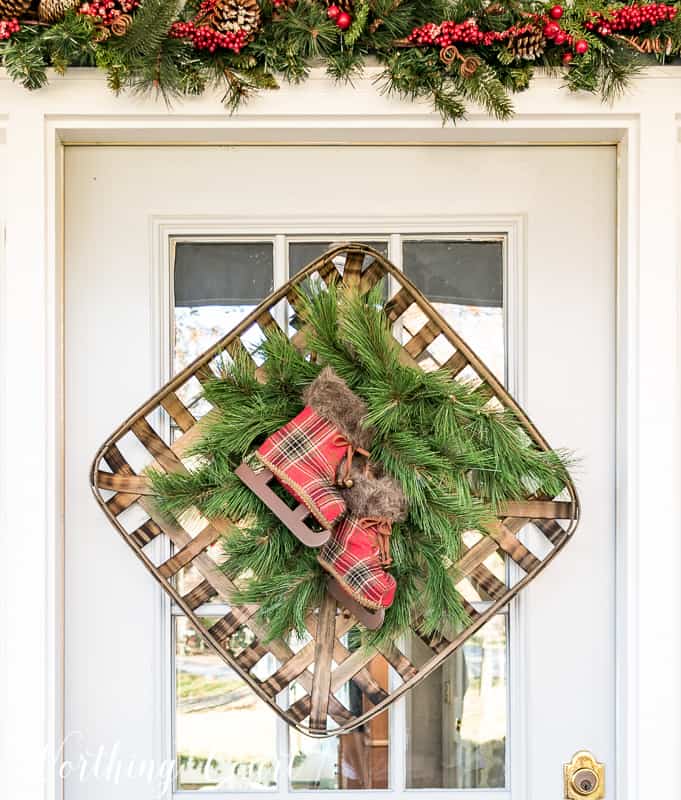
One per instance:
(114, 458)
(353, 269)
(469, 609)
(289, 671)
(456, 363)
(554, 532)
(420, 340)
(482, 578)
(323, 657)
(146, 533)
(156, 446)
(362, 679)
(266, 320)
(200, 594)
(228, 625)
(301, 709)
(204, 374)
(475, 555)
(513, 547)
(249, 658)
(538, 509)
(237, 349)
(131, 484)
(398, 661)
(437, 642)
(371, 276)
(198, 544)
(398, 304)
(180, 414)
(122, 500)
(340, 676)
(328, 272)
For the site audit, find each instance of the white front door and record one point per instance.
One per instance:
(165, 249)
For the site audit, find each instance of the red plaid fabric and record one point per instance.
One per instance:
(352, 555)
(304, 456)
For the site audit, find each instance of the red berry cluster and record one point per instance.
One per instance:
(108, 10)
(8, 27)
(342, 19)
(203, 37)
(630, 18)
(447, 33)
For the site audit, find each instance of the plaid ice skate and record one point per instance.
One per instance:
(352, 556)
(304, 455)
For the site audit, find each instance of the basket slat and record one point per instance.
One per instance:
(323, 665)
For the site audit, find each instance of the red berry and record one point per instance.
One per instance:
(332, 12)
(343, 20)
(556, 12)
(560, 37)
(567, 57)
(551, 30)
(581, 46)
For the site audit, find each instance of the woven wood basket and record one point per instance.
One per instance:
(164, 427)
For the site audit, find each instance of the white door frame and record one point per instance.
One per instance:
(645, 126)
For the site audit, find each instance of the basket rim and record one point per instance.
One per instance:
(499, 391)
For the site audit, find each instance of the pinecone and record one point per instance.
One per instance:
(344, 5)
(527, 45)
(51, 11)
(236, 15)
(14, 8)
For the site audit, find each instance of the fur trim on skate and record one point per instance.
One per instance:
(375, 497)
(332, 399)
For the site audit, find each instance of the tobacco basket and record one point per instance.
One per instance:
(164, 427)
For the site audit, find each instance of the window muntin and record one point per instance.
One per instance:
(469, 747)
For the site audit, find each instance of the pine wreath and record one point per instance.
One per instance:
(456, 456)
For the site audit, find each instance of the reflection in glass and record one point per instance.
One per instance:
(300, 254)
(216, 284)
(464, 281)
(225, 737)
(457, 718)
(356, 760)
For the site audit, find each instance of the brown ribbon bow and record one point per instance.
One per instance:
(341, 441)
(382, 527)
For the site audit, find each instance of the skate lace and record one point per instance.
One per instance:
(341, 441)
(382, 527)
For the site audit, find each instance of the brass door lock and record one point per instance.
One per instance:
(584, 777)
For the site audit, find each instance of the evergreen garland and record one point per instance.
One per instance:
(456, 453)
(453, 53)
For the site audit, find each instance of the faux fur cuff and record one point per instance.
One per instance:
(332, 399)
(375, 497)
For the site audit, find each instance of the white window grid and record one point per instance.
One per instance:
(397, 766)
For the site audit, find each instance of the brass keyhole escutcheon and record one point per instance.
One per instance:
(584, 777)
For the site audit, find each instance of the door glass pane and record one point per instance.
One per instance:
(356, 760)
(225, 737)
(457, 718)
(216, 285)
(464, 281)
(300, 254)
